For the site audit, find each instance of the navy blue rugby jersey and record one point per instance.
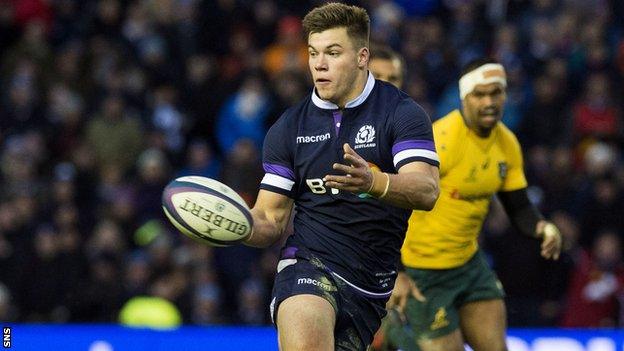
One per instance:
(358, 237)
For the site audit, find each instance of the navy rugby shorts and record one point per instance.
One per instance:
(357, 317)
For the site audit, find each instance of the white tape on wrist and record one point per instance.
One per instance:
(550, 230)
(486, 74)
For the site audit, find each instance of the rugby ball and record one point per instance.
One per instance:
(207, 210)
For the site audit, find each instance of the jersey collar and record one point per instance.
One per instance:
(326, 105)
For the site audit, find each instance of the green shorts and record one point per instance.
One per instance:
(446, 291)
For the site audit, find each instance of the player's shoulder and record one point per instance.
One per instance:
(448, 125)
(451, 119)
(506, 135)
(384, 87)
(398, 102)
(390, 94)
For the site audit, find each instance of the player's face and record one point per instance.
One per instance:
(335, 64)
(387, 70)
(483, 107)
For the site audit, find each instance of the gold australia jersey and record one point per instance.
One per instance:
(472, 170)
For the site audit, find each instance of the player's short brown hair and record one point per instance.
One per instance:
(334, 15)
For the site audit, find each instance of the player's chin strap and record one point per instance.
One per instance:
(486, 74)
(378, 187)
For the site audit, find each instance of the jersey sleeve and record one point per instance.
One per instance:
(515, 178)
(277, 161)
(413, 137)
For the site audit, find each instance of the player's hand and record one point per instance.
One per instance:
(404, 287)
(551, 240)
(358, 177)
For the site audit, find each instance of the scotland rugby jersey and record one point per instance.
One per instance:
(358, 237)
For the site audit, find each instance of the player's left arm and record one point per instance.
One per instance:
(416, 186)
(522, 213)
(529, 221)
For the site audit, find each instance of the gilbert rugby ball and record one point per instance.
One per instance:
(207, 210)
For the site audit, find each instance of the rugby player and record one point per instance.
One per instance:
(355, 157)
(479, 158)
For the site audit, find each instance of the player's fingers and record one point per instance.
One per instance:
(549, 243)
(553, 243)
(343, 168)
(557, 250)
(546, 254)
(345, 180)
(394, 301)
(355, 160)
(417, 294)
(544, 245)
(352, 155)
(546, 249)
(550, 249)
(334, 184)
(350, 171)
(343, 186)
(348, 150)
(356, 176)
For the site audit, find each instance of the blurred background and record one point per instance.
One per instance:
(103, 102)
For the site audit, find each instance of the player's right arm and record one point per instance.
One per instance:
(271, 215)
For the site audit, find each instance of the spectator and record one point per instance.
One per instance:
(153, 175)
(545, 120)
(168, 122)
(289, 52)
(244, 114)
(597, 285)
(114, 135)
(200, 161)
(596, 115)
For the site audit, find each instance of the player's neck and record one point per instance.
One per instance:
(480, 132)
(358, 88)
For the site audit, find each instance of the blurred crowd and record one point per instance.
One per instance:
(103, 102)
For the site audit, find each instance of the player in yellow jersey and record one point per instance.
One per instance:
(479, 158)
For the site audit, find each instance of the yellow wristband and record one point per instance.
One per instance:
(377, 188)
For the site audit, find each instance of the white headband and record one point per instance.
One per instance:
(486, 74)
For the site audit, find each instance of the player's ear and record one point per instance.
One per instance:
(363, 57)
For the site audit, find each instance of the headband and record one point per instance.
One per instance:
(486, 74)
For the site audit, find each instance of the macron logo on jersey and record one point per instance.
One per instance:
(312, 138)
(365, 137)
